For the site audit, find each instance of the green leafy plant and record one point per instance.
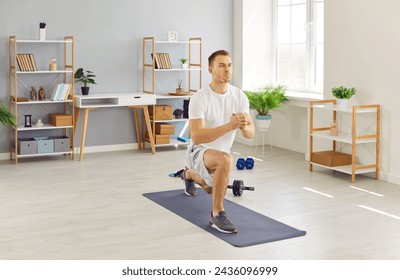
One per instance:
(6, 117)
(266, 98)
(86, 79)
(183, 60)
(343, 92)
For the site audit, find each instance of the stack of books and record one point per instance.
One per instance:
(162, 60)
(26, 62)
(60, 92)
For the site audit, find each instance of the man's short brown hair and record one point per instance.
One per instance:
(212, 57)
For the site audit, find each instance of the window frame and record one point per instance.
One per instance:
(310, 52)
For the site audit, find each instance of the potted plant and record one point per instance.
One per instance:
(6, 117)
(86, 79)
(264, 100)
(184, 63)
(343, 94)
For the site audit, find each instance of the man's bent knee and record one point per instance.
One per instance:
(218, 160)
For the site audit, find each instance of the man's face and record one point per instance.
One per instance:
(221, 69)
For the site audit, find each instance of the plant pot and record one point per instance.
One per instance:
(42, 34)
(185, 66)
(85, 90)
(263, 122)
(342, 103)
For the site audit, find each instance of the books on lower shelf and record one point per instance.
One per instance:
(60, 92)
(26, 62)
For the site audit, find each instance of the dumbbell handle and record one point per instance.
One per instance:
(245, 188)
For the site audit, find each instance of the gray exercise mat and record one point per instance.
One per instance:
(254, 228)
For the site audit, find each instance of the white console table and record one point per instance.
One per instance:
(134, 100)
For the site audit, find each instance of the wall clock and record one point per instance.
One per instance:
(172, 36)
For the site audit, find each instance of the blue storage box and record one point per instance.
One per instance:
(45, 146)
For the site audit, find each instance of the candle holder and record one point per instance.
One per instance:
(28, 120)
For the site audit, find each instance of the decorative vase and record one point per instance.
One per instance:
(263, 121)
(186, 109)
(342, 103)
(53, 64)
(42, 94)
(42, 34)
(178, 90)
(33, 94)
(85, 90)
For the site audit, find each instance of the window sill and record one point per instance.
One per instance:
(302, 99)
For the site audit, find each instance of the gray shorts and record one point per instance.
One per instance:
(195, 161)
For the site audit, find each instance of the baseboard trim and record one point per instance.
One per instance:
(108, 148)
(92, 149)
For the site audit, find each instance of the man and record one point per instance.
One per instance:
(215, 114)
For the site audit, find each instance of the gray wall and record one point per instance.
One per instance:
(108, 40)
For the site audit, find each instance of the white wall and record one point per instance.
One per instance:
(108, 38)
(253, 69)
(362, 50)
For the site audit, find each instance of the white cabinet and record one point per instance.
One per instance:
(353, 136)
(37, 73)
(163, 82)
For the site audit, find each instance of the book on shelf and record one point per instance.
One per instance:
(60, 92)
(26, 62)
(156, 61)
(162, 61)
(183, 139)
(33, 62)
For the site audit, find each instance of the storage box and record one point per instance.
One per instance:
(162, 112)
(331, 158)
(165, 128)
(160, 138)
(27, 146)
(45, 146)
(62, 144)
(60, 119)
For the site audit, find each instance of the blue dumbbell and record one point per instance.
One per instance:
(240, 164)
(249, 163)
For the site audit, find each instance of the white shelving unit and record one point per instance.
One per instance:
(193, 49)
(352, 138)
(20, 108)
(181, 125)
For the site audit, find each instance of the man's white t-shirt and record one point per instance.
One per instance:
(216, 109)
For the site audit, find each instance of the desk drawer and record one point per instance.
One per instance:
(145, 99)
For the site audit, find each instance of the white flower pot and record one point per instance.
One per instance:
(42, 34)
(263, 122)
(342, 103)
(185, 66)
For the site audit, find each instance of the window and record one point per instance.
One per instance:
(299, 44)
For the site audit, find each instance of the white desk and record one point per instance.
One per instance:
(134, 100)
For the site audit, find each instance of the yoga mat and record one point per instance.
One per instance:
(254, 228)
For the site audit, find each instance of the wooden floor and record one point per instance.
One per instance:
(55, 208)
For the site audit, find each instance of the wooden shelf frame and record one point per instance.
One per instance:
(68, 77)
(195, 67)
(353, 139)
(194, 47)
